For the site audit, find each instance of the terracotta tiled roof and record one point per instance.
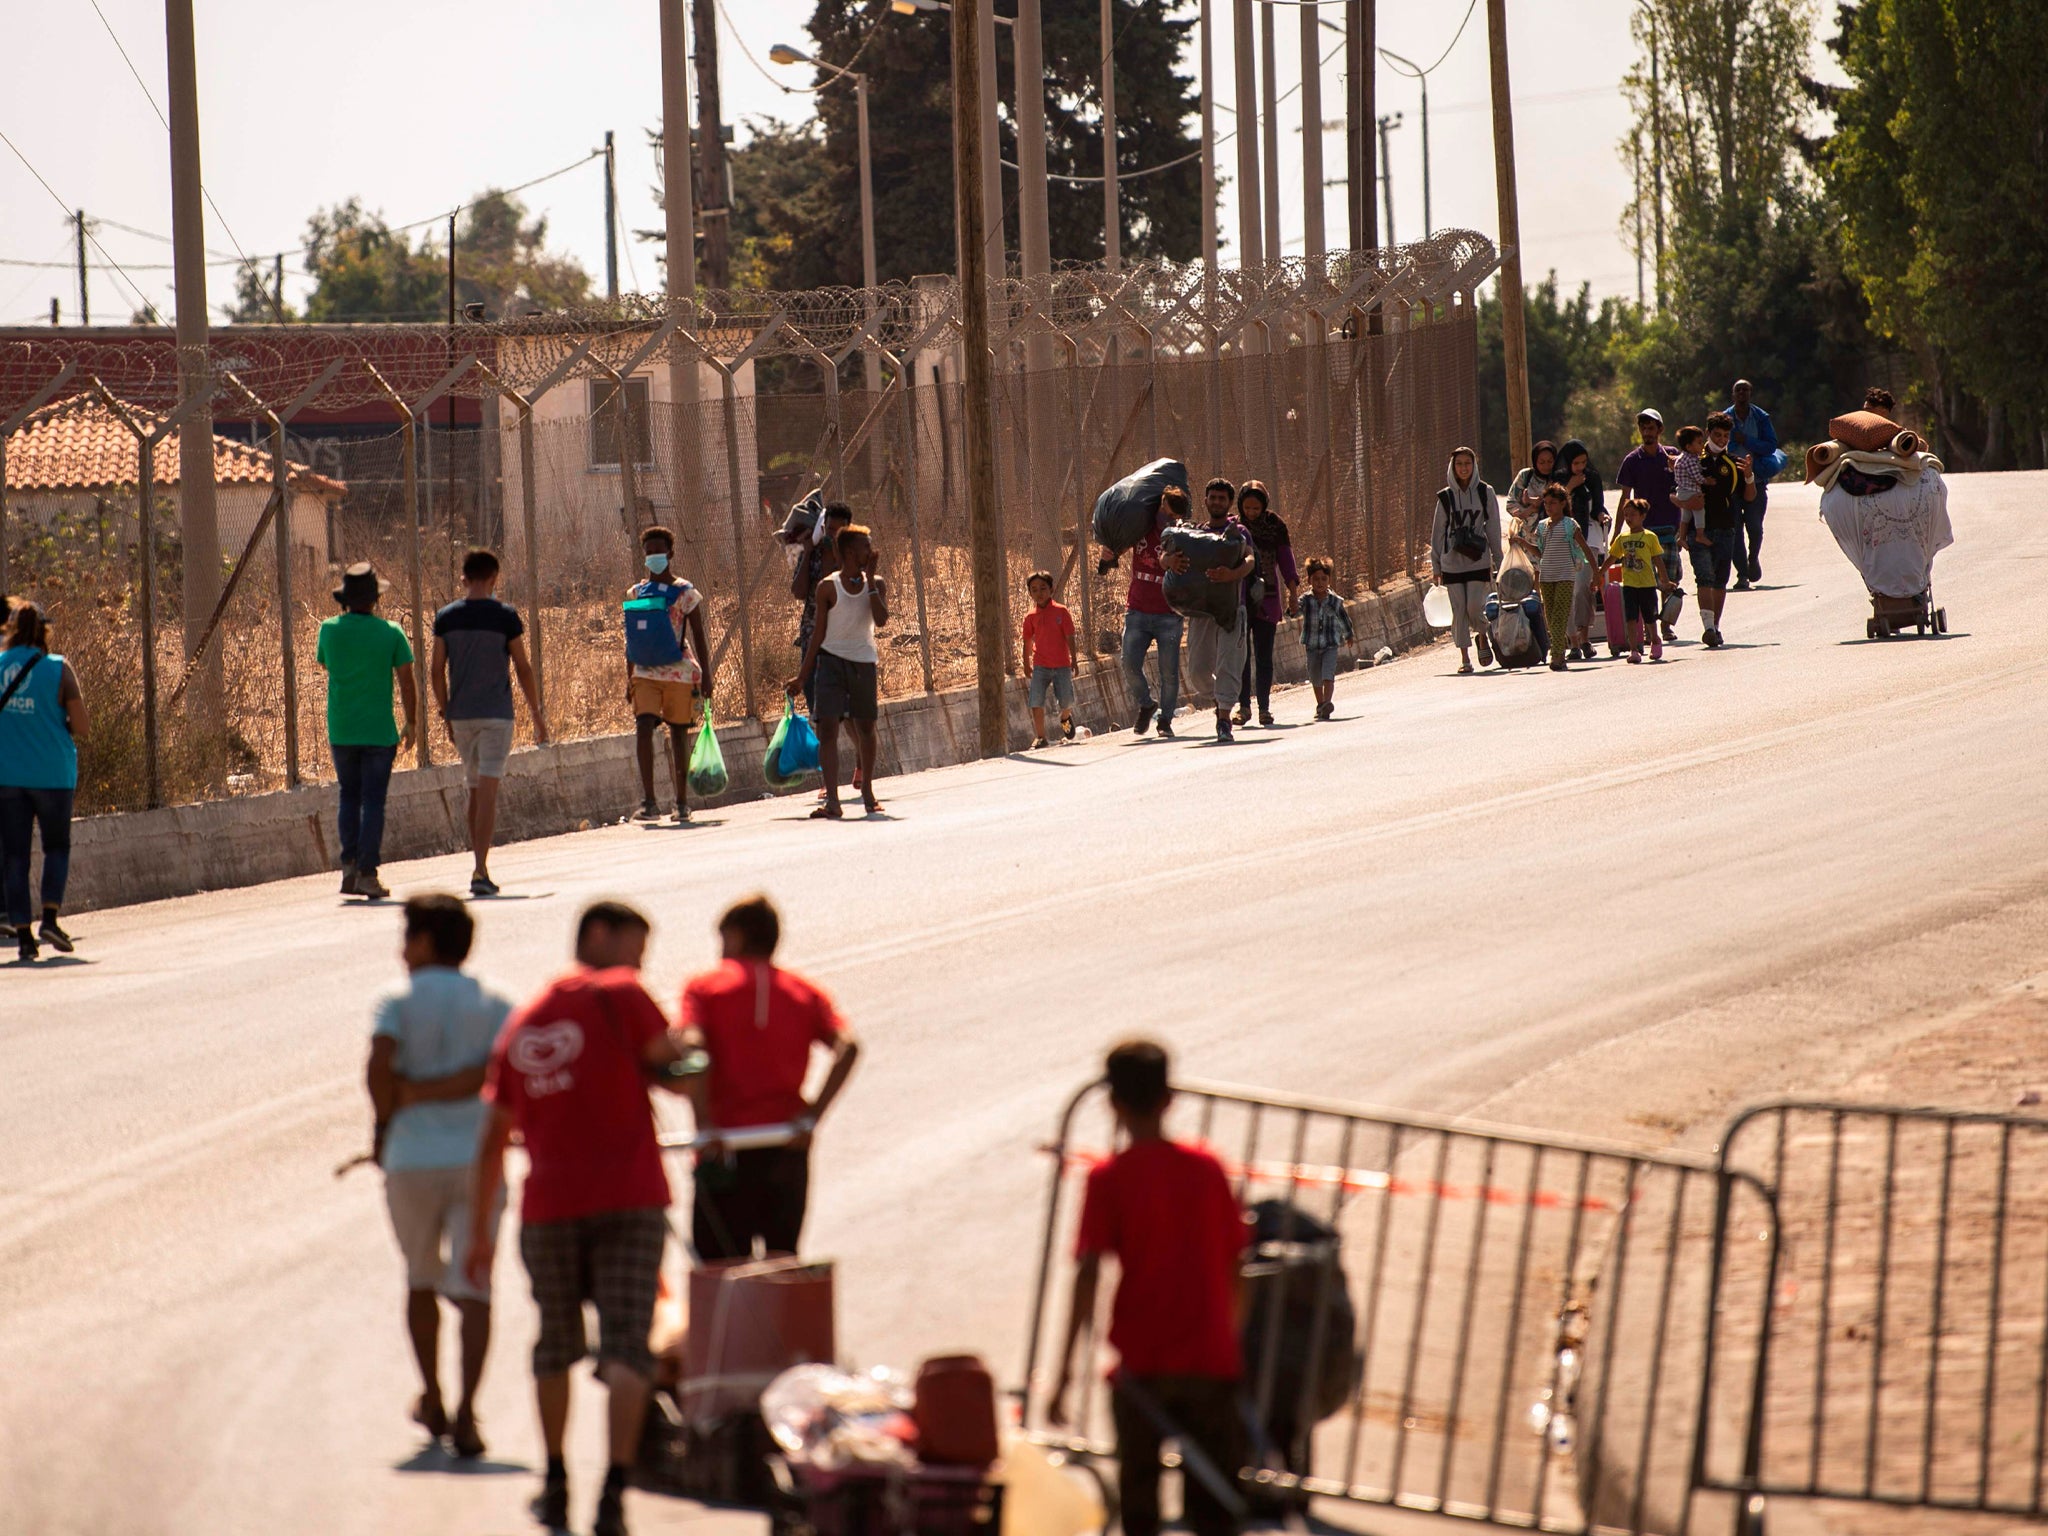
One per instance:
(88, 448)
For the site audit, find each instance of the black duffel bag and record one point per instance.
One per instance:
(1194, 595)
(1126, 512)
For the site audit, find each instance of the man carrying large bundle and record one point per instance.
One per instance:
(1129, 516)
(1216, 627)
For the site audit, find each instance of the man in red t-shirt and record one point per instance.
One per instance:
(1165, 1210)
(570, 1072)
(760, 1025)
(1149, 619)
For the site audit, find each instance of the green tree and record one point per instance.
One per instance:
(796, 191)
(1573, 346)
(362, 269)
(1939, 166)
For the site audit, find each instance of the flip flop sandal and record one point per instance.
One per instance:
(828, 813)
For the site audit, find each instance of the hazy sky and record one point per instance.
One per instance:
(415, 106)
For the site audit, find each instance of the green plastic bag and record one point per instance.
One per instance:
(771, 760)
(707, 764)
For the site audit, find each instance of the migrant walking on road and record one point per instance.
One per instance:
(1756, 439)
(429, 1045)
(852, 604)
(479, 643)
(1589, 511)
(42, 718)
(1216, 652)
(1048, 656)
(1559, 549)
(570, 1073)
(760, 1025)
(817, 557)
(1325, 629)
(1165, 1212)
(1717, 531)
(665, 683)
(1150, 620)
(1525, 491)
(363, 653)
(1647, 474)
(1640, 554)
(1464, 552)
(1264, 606)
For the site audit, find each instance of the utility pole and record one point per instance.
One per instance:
(1250, 230)
(277, 284)
(611, 219)
(1034, 250)
(991, 146)
(1361, 58)
(198, 521)
(1386, 126)
(449, 500)
(1514, 337)
(1112, 213)
(977, 377)
(1269, 124)
(1656, 150)
(1313, 241)
(711, 148)
(681, 221)
(1208, 36)
(84, 300)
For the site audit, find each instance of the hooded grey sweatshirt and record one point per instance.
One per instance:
(1470, 504)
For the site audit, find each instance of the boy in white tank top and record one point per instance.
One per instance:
(841, 661)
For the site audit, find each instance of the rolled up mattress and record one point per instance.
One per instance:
(1194, 594)
(1126, 512)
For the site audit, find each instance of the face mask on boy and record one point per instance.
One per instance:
(656, 564)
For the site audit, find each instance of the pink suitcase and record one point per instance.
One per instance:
(1611, 607)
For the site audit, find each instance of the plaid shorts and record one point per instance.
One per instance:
(612, 1259)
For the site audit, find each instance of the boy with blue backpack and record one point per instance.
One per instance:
(664, 682)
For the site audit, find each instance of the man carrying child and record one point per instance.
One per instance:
(1165, 1211)
(1048, 656)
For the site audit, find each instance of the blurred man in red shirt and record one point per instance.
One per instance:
(1165, 1210)
(570, 1073)
(760, 1025)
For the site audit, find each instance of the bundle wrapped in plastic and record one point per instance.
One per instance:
(1192, 593)
(833, 1418)
(1126, 513)
(1892, 535)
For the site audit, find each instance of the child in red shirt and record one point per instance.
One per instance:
(1048, 656)
(1167, 1213)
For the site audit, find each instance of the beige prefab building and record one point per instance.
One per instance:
(580, 483)
(75, 473)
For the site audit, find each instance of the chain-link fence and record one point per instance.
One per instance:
(1342, 384)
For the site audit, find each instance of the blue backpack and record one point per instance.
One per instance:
(651, 639)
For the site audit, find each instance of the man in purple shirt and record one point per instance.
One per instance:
(1647, 473)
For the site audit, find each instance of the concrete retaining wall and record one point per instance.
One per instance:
(151, 855)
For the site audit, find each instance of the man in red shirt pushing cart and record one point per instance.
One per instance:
(1165, 1210)
(760, 1025)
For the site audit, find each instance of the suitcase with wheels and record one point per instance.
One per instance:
(1611, 609)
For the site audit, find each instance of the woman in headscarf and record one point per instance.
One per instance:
(1525, 491)
(1589, 511)
(1276, 565)
(1464, 549)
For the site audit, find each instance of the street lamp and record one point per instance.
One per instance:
(1416, 72)
(782, 53)
(912, 7)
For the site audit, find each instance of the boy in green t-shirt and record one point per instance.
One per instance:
(362, 654)
(1640, 554)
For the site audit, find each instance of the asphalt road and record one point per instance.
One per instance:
(1611, 900)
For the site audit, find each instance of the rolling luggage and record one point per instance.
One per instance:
(1613, 611)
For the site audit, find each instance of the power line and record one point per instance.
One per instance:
(66, 209)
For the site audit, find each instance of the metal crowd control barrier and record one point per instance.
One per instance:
(1455, 1319)
(1905, 1361)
